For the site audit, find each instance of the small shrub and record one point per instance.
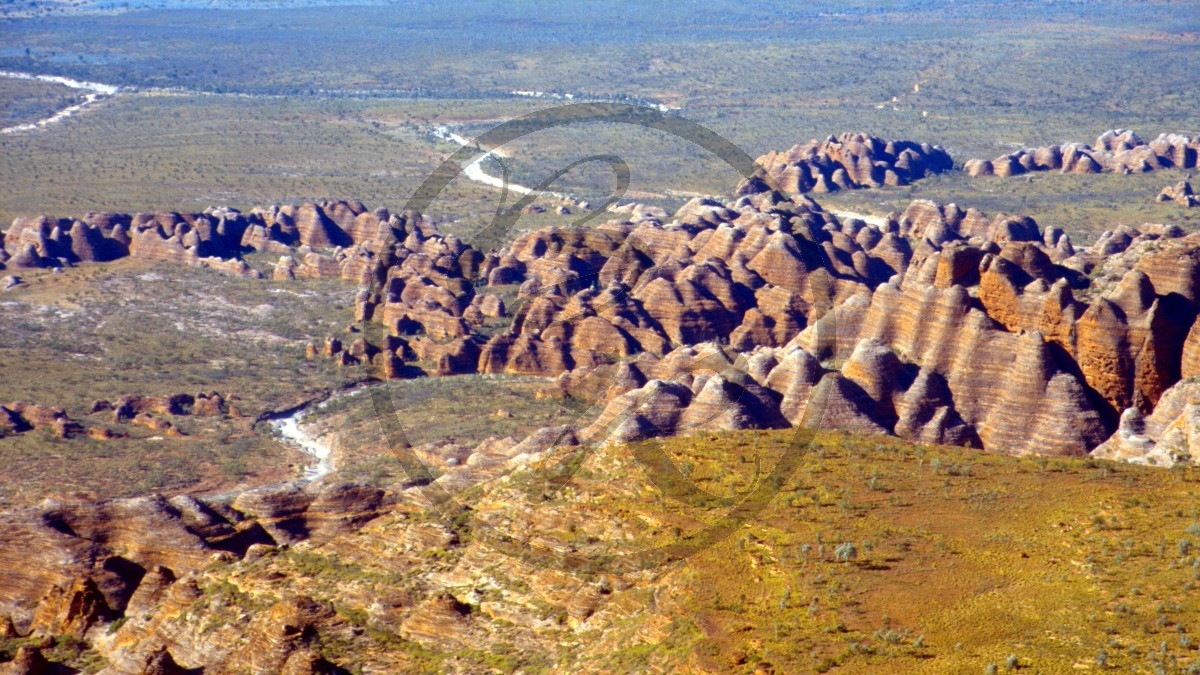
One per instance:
(845, 552)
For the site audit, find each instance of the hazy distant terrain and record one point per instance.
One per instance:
(979, 78)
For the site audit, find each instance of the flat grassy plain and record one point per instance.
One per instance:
(186, 152)
(129, 327)
(167, 152)
(156, 152)
(286, 104)
(24, 101)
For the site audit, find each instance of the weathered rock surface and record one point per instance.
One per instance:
(996, 333)
(1117, 151)
(217, 237)
(19, 417)
(1168, 436)
(74, 568)
(960, 300)
(1180, 193)
(852, 161)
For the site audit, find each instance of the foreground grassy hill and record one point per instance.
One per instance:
(874, 556)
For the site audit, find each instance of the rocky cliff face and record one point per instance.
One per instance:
(943, 325)
(1118, 151)
(851, 161)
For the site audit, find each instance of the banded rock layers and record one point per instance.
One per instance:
(943, 325)
(85, 569)
(1181, 194)
(852, 161)
(214, 238)
(1119, 151)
